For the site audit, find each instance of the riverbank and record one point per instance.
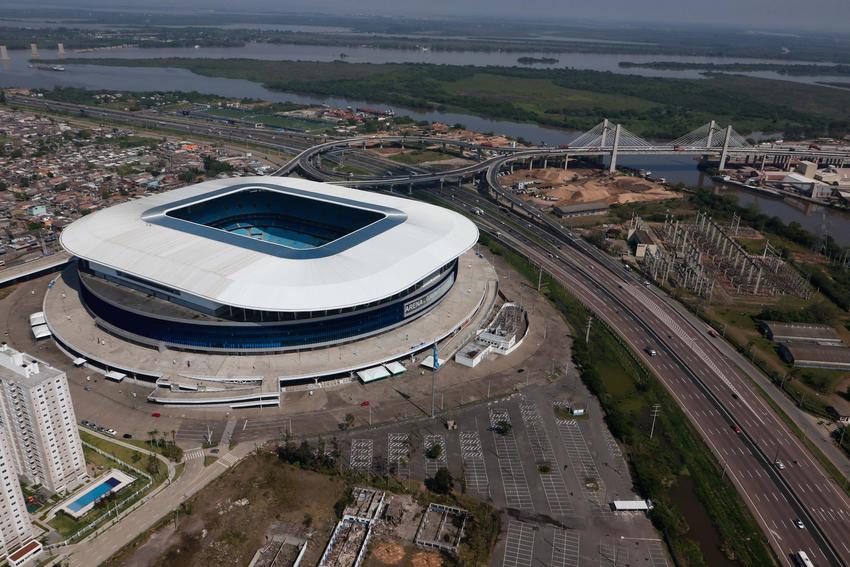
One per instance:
(564, 98)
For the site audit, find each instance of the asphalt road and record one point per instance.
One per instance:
(705, 382)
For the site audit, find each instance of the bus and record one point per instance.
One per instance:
(803, 559)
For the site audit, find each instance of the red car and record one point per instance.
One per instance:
(737, 429)
(155, 414)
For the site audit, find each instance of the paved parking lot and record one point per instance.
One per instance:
(565, 549)
(517, 493)
(474, 467)
(583, 464)
(519, 545)
(196, 433)
(361, 455)
(432, 465)
(398, 455)
(557, 495)
(548, 519)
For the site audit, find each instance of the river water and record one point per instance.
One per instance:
(324, 53)
(18, 74)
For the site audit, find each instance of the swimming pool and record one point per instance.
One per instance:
(94, 494)
(83, 500)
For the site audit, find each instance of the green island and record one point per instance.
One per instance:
(566, 98)
(795, 69)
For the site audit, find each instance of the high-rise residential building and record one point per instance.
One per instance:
(15, 526)
(38, 417)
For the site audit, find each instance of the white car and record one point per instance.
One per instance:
(780, 465)
(111, 432)
(799, 523)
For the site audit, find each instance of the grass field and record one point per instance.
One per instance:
(661, 108)
(413, 157)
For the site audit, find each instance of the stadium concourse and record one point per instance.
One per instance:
(225, 292)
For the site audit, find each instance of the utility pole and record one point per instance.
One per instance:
(655, 409)
(587, 331)
(434, 367)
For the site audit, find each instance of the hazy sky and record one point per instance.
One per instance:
(833, 15)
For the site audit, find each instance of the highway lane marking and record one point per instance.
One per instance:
(592, 301)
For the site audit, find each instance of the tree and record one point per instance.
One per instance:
(442, 481)
(434, 451)
(503, 427)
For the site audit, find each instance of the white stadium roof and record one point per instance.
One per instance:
(370, 269)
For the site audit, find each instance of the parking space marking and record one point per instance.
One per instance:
(361, 455)
(583, 464)
(433, 465)
(554, 486)
(398, 454)
(618, 460)
(198, 432)
(517, 493)
(474, 468)
(565, 549)
(657, 557)
(519, 545)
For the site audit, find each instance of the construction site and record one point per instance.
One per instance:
(558, 187)
(705, 258)
(348, 543)
(441, 528)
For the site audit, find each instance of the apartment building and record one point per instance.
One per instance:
(39, 422)
(15, 527)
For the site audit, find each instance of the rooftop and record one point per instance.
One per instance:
(385, 244)
(19, 367)
(802, 331)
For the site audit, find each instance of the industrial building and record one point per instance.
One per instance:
(799, 332)
(38, 418)
(807, 355)
(580, 210)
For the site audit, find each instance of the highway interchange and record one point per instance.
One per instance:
(742, 430)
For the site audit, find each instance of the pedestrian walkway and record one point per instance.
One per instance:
(227, 434)
(227, 460)
(193, 454)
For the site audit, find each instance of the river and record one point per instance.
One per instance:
(673, 168)
(325, 53)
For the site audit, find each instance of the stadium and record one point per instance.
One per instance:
(259, 267)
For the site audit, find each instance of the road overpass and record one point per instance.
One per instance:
(605, 140)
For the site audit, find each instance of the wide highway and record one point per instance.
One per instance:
(709, 386)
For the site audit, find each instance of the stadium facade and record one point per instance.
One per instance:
(264, 265)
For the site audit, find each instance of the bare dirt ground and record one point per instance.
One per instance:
(558, 187)
(392, 554)
(388, 553)
(227, 522)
